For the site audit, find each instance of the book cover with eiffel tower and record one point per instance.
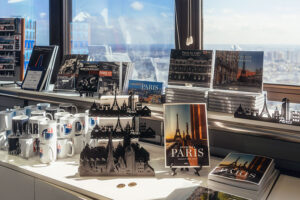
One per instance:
(239, 71)
(186, 135)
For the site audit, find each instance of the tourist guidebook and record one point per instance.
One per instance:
(186, 135)
(149, 92)
(239, 70)
(243, 170)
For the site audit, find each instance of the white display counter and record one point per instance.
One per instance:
(63, 176)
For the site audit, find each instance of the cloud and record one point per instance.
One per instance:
(43, 14)
(82, 16)
(104, 14)
(15, 1)
(125, 30)
(137, 6)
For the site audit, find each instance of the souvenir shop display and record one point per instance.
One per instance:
(128, 158)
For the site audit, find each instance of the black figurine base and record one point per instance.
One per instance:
(197, 170)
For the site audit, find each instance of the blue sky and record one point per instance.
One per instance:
(152, 22)
(127, 21)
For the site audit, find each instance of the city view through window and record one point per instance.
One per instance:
(140, 31)
(32, 11)
(271, 26)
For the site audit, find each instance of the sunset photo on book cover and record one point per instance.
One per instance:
(245, 167)
(186, 135)
(239, 70)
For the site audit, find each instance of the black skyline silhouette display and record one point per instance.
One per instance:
(128, 159)
(132, 109)
(285, 117)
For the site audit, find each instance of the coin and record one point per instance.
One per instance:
(121, 185)
(132, 184)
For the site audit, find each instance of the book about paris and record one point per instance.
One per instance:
(242, 168)
(186, 135)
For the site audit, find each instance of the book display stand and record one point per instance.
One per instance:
(197, 170)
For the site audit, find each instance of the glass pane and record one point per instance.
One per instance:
(33, 11)
(124, 30)
(36, 14)
(269, 25)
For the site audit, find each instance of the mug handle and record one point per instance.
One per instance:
(76, 109)
(49, 115)
(52, 154)
(27, 149)
(72, 149)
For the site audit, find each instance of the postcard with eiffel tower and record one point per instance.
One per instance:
(186, 135)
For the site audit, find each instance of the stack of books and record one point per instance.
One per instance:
(244, 175)
(229, 101)
(181, 94)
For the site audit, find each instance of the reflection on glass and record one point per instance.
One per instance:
(269, 26)
(141, 32)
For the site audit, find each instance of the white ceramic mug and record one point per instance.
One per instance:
(69, 126)
(48, 131)
(29, 109)
(26, 147)
(41, 113)
(6, 120)
(48, 152)
(34, 125)
(65, 148)
(20, 125)
(79, 143)
(43, 106)
(59, 115)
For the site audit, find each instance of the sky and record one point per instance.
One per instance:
(127, 21)
(34, 9)
(152, 22)
(251, 21)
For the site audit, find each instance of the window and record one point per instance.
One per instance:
(34, 12)
(126, 30)
(271, 26)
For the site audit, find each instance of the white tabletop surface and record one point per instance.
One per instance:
(64, 173)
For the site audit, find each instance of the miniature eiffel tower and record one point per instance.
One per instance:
(118, 127)
(265, 110)
(115, 105)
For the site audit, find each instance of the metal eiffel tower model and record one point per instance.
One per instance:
(115, 105)
(265, 110)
